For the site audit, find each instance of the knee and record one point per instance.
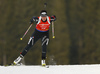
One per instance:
(31, 41)
(46, 41)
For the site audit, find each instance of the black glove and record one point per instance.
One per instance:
(54, 17)
(31, 21)
(34, 19)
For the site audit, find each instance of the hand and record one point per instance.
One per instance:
(54, 17)
(31, 21)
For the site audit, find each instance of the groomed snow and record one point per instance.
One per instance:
(57, 69)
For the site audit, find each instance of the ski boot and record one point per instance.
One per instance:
(16, 61)
(43, 63)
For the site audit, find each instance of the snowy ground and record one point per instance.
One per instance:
(57, 69)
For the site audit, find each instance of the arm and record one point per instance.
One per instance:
(53, 18)
(34, 19)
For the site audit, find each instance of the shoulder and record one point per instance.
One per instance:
(48, 17)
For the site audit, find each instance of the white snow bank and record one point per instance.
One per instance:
(57, 69)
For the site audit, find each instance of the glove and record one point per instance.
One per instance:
(54, 17)
(34, 19)
(31, 21)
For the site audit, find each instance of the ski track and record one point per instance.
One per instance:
(56, 69)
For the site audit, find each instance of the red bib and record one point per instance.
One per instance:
(43, 26)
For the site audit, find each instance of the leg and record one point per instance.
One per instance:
(35, 36)
(45, 41)
(31, 42)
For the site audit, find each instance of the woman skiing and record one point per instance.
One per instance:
(41, 32)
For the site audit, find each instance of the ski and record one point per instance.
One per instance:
(12, 64)
(47, 66)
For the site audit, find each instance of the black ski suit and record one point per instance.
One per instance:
(44, 36)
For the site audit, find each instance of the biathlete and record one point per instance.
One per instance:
(41, 32)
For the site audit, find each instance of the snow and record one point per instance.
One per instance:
(56, 69)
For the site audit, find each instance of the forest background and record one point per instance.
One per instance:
(77, 31)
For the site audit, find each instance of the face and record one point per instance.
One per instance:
(43, 18)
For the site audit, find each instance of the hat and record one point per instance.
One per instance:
(43, 13)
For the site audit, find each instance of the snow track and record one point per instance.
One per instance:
(57, 69)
